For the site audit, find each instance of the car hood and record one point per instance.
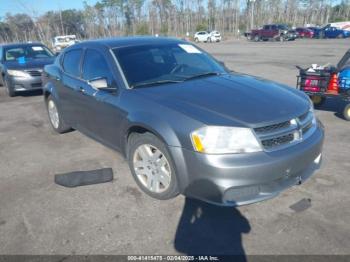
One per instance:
(233, 99)
(35, 63)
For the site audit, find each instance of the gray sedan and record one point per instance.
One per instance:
(21, 66)
(185, 123)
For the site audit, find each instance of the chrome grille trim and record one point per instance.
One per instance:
(34, 72)
(284, 134)
(265, 129)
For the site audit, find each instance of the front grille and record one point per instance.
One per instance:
(306, 128)
(34, 72)
(266, 129)
(280, 135)
(281, 140)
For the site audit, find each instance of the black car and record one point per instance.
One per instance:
(292, 35)
(21, 66)
(185, 123)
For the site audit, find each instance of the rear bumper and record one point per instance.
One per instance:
(216, 38)
(29, 83)
(243, 179)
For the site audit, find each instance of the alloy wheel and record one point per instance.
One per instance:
(53, 114)
(152, 168)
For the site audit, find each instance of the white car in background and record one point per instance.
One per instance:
(204, 36)
(215, 36)
(63, 41)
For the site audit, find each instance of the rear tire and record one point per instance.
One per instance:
(318, 100)
(346, 112)
(151, 166)
(55, 117)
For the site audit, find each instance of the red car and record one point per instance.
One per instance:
(304, 32)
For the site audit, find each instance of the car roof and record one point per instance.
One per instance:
(14, 45)
(128, 41)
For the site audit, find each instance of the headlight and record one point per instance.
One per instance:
(312, 111)
(224, 140)
(17, 73)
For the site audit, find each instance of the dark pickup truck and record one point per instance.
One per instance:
(277, 32)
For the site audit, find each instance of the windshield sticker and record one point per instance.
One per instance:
(37, 48)
(21, 60)
(190, 49)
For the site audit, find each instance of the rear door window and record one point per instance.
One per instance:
(71, 62)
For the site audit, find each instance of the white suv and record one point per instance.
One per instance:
(202, 36)
(215, 36)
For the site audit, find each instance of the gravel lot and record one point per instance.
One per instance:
(40, 217)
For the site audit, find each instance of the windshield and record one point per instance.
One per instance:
(22, 53)
(165, 63)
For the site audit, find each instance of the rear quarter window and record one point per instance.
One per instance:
(71, 62)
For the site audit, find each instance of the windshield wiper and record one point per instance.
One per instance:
(203, 75)
(155, 83)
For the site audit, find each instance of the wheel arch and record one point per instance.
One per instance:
(49, 90)
(141, 128)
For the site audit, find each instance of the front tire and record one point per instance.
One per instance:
(151, 166)
(55, 117)
(9, 90)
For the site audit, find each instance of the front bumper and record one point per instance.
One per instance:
(243, 179)
(29, 83)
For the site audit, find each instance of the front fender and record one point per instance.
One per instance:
(158, 126)
(50, 89)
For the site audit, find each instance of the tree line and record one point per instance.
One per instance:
(109, 18)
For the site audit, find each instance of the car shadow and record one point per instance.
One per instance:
(206, 229)
(30, 93)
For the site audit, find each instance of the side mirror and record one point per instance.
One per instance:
(98, 83)
(101, 83)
